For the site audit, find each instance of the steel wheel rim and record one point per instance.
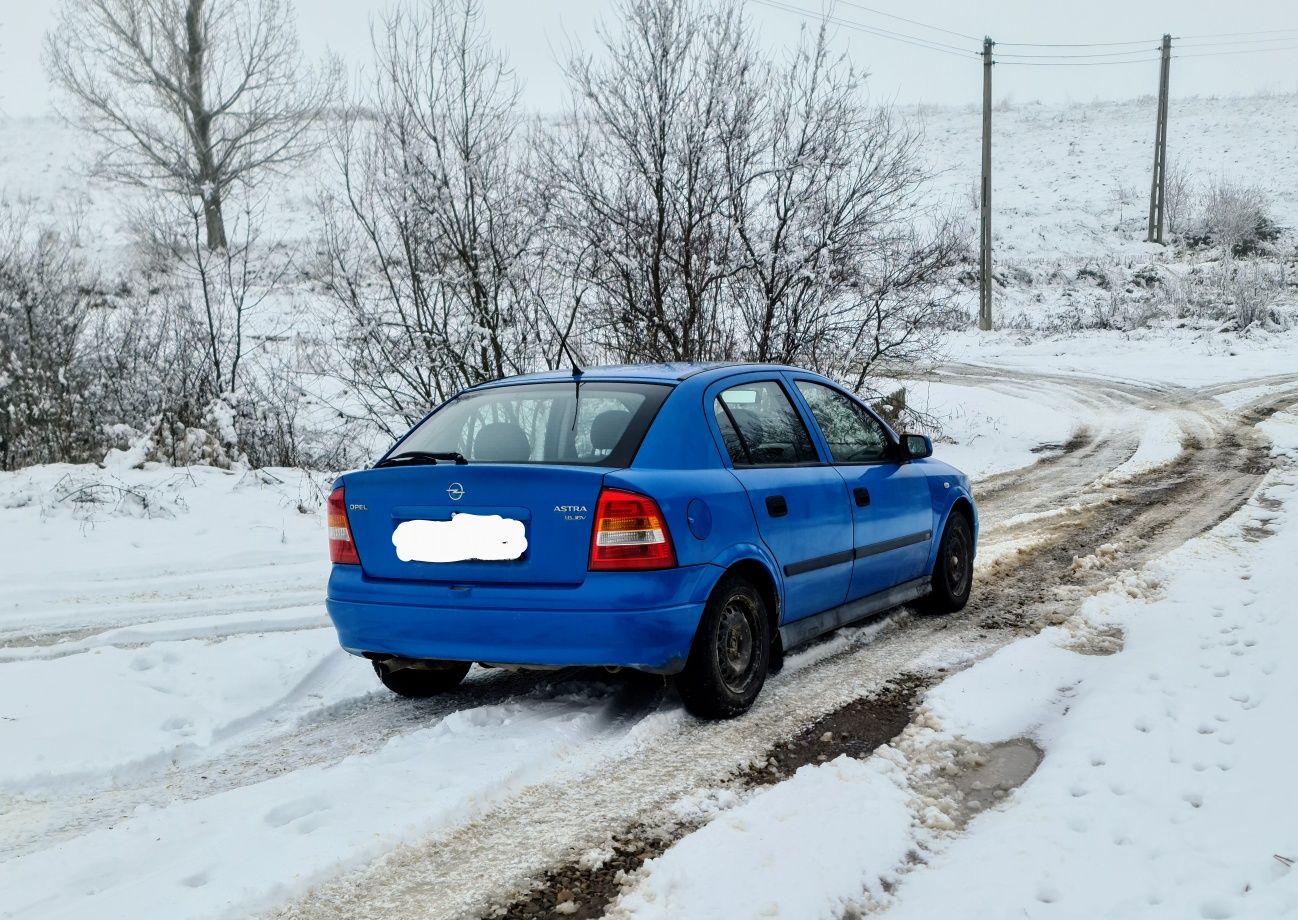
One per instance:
(737, 643)
(957, 562)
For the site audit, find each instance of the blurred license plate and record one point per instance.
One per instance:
(464, 537)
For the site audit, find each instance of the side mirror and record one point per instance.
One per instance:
(916, 446)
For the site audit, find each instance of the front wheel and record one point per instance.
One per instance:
(953, 571)
(420, 682)
(730, 655)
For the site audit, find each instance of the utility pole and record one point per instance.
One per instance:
(1158, 186)
(985, 224)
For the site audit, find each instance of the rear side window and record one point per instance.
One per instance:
(853, 434)
(595, 424)
(761, 427)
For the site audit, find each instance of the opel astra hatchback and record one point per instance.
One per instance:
(686, 519)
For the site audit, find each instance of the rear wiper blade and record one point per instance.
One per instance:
(422, 456)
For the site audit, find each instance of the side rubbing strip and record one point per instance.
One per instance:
(820, 562)
(875, 549)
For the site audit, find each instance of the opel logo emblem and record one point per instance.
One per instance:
(455, 491)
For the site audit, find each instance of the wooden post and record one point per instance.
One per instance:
(1158, 185)
(985, 223)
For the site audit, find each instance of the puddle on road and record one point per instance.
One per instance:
(994, 772)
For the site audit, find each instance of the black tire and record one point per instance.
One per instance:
(953, 571)
(730, 655)
(419, 683)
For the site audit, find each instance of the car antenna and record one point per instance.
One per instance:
(572, 356)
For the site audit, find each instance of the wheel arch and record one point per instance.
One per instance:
(756, 573)
(962, 505)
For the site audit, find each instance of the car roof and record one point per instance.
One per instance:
(667, 372)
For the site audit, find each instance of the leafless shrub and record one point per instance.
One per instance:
(46, 299)
(1235, 217)
(1239, 294)
(145, 354)
(1254, 292)
(1122, 195)
(1178, 196)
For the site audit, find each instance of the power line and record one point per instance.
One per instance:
(914, 22)
(1099, 54)
(1139, 53)
(1237, 42)
(904, 38)
(1072, 45)
(879, 31)
(1240, 34)
(1242, 51)
(1146, 60)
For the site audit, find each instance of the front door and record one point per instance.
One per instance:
(892, 512)
(801, 505)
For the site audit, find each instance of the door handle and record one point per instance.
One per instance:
(862, 496)
(776, 506)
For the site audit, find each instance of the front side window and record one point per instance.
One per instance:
(760, 427)
(853, 434)
(596, 423)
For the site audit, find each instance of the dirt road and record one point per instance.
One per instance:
(1052, 534)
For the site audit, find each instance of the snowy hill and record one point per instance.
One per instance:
(1070, 192)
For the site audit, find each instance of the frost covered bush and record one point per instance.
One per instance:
(46, 297)
(1235, 217)
(1240, 294)
(1252, 295)
(146, 355)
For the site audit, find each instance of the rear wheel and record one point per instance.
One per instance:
(730, 655)
(420, 682)
(953, 571)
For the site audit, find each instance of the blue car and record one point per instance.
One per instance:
(688, 519)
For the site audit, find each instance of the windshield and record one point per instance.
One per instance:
(595, 423)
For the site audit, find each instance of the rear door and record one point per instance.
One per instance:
(800, 504)
(892, 512)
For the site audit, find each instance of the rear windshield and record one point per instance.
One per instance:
(596, 424)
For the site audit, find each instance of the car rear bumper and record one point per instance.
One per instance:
(642, 620)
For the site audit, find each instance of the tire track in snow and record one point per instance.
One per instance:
(662, 737)
(466, 871)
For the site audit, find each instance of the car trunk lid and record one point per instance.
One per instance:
(554, 503)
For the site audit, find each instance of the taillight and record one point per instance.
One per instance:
(630, 533)
(341, 546)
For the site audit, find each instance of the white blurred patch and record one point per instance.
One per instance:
(465, 536)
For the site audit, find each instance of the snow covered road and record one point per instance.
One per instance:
(195, 717)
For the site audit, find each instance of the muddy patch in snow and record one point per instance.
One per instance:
(588, 884)
(856, 730)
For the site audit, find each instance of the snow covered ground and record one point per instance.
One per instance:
(172, 624)
(180, 735)
(1160, 712)
(173, 619)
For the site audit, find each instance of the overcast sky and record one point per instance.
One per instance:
(535, 32)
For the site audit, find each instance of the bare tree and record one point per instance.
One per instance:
(431, 241)
(719, 206)
(823, 191)
(190, 96)
(639, 181)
